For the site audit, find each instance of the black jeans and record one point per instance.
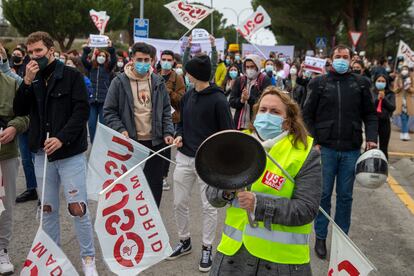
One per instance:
(154, 170)
(384, 133)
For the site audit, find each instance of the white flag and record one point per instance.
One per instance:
(46, 258)
(100, 19)
(188, 15)
(258, 20)
(346, 259)
(405, 51)
(111, 156)
(129, 226)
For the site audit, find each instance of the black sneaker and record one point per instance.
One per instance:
(27, 196)
(206, 259)
(182, 248)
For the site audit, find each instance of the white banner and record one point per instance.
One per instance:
(100, 19)
(129, 226)
(111, 156)
(286, 50)
(46, 258)
(199, 35)
(405, 51)
(98, 41)
(179, 46)
(314, 64)
(258, 20)
(346, 259)
(188, 15)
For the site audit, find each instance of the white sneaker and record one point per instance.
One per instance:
(6, 267)
(407, 137)
(89, 267)
(402, 136)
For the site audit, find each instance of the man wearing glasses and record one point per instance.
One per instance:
(138, 106)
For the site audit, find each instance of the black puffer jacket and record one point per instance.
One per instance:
(335, 109)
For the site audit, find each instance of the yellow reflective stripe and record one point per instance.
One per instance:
(233, 233)
(277, 236)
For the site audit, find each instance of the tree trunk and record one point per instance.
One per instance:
(70, 42)
(363, 24)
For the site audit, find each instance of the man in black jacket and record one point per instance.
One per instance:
(55, 98)
(205, 111)
(337, 104)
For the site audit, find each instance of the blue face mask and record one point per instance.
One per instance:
(142, 67)
(233, 74)
(268, 126)
(227, 61)
(269, 68)
(166, 65)
(340, 65)
(237, 58)
(380, 85)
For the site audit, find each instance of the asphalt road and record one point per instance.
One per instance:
(382, 227)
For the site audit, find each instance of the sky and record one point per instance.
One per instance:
(263, 37)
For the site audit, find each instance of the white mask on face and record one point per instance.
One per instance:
(120, 64)
(404, 72)
(293, 71)
(251, 73)
(179, 71)
(101, 59)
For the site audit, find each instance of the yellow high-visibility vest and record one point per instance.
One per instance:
(283, 244)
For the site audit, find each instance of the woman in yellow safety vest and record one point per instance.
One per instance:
(284, 209)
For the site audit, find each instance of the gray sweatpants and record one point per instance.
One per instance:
(9, 169)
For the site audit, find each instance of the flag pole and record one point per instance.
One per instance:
(322, 211)
(42, 200)
(104, 191)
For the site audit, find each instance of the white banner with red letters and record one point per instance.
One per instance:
(405, 51)
(111, 156)
(46, 258)
(258, 20)
(188, 15)
(100, 19)
(346, 258)
(314, 64)
(129, 226)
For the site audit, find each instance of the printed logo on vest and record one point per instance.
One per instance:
(273, 180)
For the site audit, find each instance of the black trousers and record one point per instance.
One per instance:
(154, 170)
(384, 134)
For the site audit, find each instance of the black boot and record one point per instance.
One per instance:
(320, 248)
(27, 195)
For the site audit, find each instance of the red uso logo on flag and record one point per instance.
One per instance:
(193, 12)
(273, 180)
(129, 247)
(346, 266)
(250, 25)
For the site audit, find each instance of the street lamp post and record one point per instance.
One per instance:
(238, 19)
(141, 9)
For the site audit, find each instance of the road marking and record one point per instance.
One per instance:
(401, 154)
(401, 193)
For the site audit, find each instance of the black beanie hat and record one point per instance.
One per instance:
(199, 67)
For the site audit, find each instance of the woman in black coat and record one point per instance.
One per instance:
(384, 100)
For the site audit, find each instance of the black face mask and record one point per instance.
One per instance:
(42, 62)
(16, 59)
(357, 71)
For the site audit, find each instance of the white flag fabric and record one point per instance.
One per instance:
(111, 156)
(405, 51)
(46, 258)
(100, 19)
(258, 20)
(129, 226)
(188, 15)
(346, 259)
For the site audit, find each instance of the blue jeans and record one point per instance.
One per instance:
(27, 161)
(404, 122)
(70, 173)
(339, 165)
(96, 111)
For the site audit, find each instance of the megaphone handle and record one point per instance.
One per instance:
(252, 223)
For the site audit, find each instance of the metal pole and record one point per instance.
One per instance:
(141, 9)
(212, 19)
(237, 33)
